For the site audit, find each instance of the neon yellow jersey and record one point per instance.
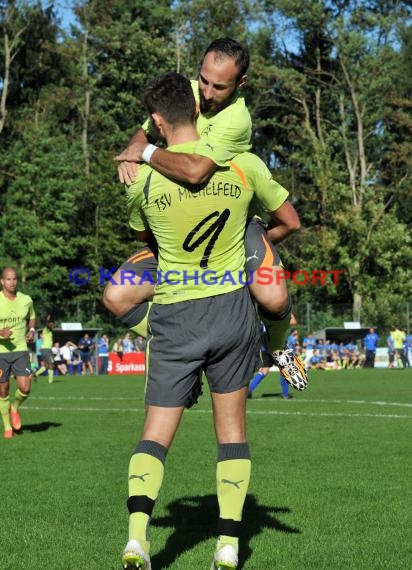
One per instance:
(47, 338)
(398, 339)
(14, 314)
(230, 128)
(200, 229)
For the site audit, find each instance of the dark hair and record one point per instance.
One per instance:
(171, 95)
(233, 49)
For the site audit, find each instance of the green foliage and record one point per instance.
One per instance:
(40, 212)
(326, 124)
(330, 95)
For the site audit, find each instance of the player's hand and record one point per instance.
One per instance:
(127, 168)
(127, 171)
(6, 333)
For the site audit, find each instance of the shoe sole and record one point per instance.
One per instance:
(297, 385)
(297, 364)
(133, 561)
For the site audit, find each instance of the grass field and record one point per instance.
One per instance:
(330, 489)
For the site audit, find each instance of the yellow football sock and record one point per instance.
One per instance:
(40, 371)
(276, 332)
(141, 327)
(135, 319)
(145, 480)
(50, 374)
(19, 398)
(5, 413)
(232, 477)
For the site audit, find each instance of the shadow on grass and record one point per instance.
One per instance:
(43, 379)
(43, 426)
(272, 395)
(194, 520)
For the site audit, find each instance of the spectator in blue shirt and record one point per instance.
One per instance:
(39, 344)
(406, 352)
(103, 353)
(370, 343)
(391, 352)
(308, 345)
(317, 362)
(128, 345)
(86, 345)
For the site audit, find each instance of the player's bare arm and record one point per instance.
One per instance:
(191, 168)
(32, 330)
(144, 235)
(284, 221)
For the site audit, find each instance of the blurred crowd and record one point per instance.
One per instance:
(91, 355)
(87, 355)
(332, 355)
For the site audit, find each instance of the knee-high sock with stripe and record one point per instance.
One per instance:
(277, 326)
(5, 413)
(136, 318)
(232, 478)
(146, 469)
(19, 398)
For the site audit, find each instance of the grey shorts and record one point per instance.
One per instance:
(142, 263)
(218, 334)
(260, 252)
(47, 356)
(17, 363)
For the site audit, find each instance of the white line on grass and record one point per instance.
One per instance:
(94, 398)
(249, 412)
(367, 402)
(299, 401)
(67, 409)
(390, 416)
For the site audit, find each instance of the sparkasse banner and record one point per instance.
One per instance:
(129, 363)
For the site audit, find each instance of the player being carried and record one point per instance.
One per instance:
(223, 121)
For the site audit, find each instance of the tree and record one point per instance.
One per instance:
(326, 131)
(12, 42)
(330, 95)
(39, 213)
(198, 22)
